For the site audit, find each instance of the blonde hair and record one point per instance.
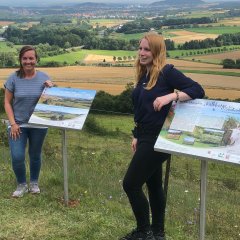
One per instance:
(158, 49)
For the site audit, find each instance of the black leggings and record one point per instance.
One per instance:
(146, 167)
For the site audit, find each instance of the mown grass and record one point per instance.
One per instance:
(216, 29)
(198, 14)
(98, 157)
(235, 74)
(5, 48)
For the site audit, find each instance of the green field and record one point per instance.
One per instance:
(138, 36)
(70, 57)
(127, 37)
(196, 14)
(216, 30)
(98, 157)
(5, 48)
(79, 55)
(234, 74)
(106, 21)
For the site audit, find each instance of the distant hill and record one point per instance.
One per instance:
(178, 2)
(91, 5)
(230, 4)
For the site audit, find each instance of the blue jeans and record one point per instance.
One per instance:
(35, 138)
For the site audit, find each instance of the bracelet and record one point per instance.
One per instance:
(12, 124)
(177, 93)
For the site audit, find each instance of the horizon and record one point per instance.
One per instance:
(30, 3)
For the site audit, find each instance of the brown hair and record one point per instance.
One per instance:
(20, 72)
(158, 49)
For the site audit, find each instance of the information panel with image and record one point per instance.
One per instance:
(63, 107)
(205, 128)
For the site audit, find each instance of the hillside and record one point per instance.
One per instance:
(178, 2)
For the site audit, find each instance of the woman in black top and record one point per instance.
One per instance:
(157, 85)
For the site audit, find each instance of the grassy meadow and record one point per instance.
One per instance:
(98, 208)
(216, 30)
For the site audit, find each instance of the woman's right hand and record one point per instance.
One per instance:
(134, 144)
(15, 131)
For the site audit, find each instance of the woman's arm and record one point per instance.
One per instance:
(181, 82)
(15, 129)
(8, 106)
(159, 102)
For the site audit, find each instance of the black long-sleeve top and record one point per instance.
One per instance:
(168, 80)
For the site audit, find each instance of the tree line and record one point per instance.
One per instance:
(63, 37)
(143, 25)
(66, 37)
(221, 40)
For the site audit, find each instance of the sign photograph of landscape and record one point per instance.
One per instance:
(63, 107)
(205, 128)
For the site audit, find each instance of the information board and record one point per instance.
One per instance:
(63, 107)
(207, 129)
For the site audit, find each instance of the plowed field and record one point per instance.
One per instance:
(114, 79)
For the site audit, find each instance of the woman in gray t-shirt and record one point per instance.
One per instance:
(22, 91)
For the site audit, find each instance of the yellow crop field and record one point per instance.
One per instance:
(183, 36)
(231, 21)
(93, 58)
(114, 79)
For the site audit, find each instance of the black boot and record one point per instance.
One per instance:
(159, 235)
(139, 235)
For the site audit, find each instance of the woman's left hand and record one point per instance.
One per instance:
(48, 83)
(159, 102)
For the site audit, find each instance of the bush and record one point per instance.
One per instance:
(92, 126)
(52, 64)
(228, 63)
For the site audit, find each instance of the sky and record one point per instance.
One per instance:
(70, 92)
(52, 2)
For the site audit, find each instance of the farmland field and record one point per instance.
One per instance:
(88, 56)
(181, 36)
(216, 30)
(217, 58)
(107, 22)
(114, 79)
(5, 23)
(178, 36)
(231, 21)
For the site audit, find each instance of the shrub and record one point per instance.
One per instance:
(228, 63)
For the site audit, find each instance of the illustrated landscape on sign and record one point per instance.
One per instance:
(203, 128)
(63, 107)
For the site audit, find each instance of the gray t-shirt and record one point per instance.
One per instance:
(26, 93)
